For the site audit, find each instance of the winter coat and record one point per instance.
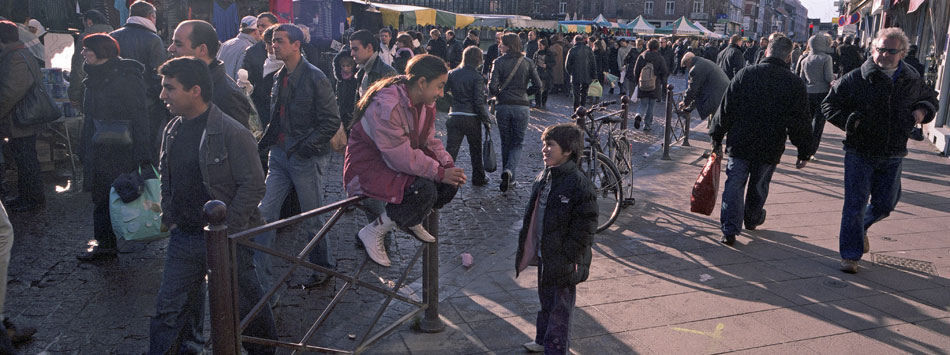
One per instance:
(667, 53)
(76, 74)
(468, 91)
(233, 51)
(731, 60)
(659, 69)
(312, 116)
(750, 54)
(816, 68)
(436, 47)
(547, 73)
(453, 54)
(392, 144)
(567, 226)
(622, 56)
(115, 91)
(557, 72)
(401, 59)
(707, 85)
(139, 43)
(346, 89)
(517, 91)
(581, 64)
(230, 169)
(490, 57)
(603, 64)
(915, 63)
(764, 106)
(849, 58)
(875, 111)
(711, 52)
(531, 48)
(16, 80)
(254, 64)
(377, 70)
(228, 96)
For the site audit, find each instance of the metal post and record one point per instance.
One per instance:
(430, 322)
(221, 281)
(668, 132)
(624, 104)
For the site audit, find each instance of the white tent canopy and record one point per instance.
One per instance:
(707, 32)
(641, 26)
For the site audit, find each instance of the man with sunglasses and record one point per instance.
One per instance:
(877, 106)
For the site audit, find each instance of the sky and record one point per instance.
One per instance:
(820, 9)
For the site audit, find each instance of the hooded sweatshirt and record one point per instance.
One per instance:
(817, 68)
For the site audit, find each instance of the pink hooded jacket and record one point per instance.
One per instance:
(393, 143)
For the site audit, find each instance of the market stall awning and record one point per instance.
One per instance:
(574, 26)
(707, 32)
(601, 21)
(680, 27)
(410, 15)
(640, 25)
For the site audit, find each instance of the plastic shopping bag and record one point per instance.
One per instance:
(139, 220)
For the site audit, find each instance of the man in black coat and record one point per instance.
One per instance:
(877, 105)
(581, 65)
(492, 54)
(731, 60)
(436, 45)
(764, 105)
(139, 41)
(453, 49)
(197, 38)
(849, 56)
(531, 46)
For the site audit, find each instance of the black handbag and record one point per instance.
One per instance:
(112, 133)
(488, 152)
(37, 107)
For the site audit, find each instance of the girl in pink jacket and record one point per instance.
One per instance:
(392, 154)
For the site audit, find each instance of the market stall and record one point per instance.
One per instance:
(680, 27)
(640, 26)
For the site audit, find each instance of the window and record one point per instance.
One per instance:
(670, 6)
(698, 5)
(648, 7)
(537, 7)
(562, 7)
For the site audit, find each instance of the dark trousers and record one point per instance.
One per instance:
(29, 184)
(580, 94)
(418, 199)
(541, 98)
(818, 119)
(735, 209)
(101, 221)
(553, 327)
(866, 178)
(470, 128)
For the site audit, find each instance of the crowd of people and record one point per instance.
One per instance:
(254, 120)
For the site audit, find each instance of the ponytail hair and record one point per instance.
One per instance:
(420, 66)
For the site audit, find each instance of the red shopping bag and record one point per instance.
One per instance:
(703, 198)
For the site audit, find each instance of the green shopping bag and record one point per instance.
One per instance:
(595, 90)
(139, 220)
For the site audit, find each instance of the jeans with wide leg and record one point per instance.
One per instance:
(877, 179)
(512, 123)
(737, 208)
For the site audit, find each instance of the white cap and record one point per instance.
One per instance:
(40, 30)
(249, 22)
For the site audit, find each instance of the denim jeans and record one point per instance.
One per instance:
(178, 322)
(306, 177)
(512, 123)
(646, 109)
(735, 208)
(877, 179)
(553, 327)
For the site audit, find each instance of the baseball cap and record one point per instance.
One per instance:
(249, 22)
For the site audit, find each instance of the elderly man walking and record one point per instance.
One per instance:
(707, 85)
(764, 105)
(877, 106)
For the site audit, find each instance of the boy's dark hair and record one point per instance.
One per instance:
(203, 32)
(568, 136)
(103, 45)
(189, 71)
(141, 9)
(365, 37)
(95, 16)
(268, 33)
(269, 16)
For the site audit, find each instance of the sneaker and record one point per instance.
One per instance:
(18, 335)
(849, 266)
(97, 254)
(505, 181)
(421, 233)
(373, 238)
(533, 347)
(867, 244)
(636, 121)
(481, 182)
(758, 223)
(728, 239)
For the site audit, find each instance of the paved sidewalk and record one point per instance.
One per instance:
(662, 284)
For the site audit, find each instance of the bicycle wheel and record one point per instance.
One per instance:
(603, 173)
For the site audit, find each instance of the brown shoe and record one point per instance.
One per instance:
(18, 335)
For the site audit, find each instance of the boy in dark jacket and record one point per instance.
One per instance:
(556, 235)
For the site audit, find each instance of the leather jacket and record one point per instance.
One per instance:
(141, 44)
(312, 116)
(468, 91)
(517, 91)
(228, 96)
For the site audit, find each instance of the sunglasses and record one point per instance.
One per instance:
(891, 51)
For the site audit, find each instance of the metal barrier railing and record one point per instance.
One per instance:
(226, 326)
(682, 122)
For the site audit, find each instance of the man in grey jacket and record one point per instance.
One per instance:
(707, 85)
(232, 52)
(228, 170)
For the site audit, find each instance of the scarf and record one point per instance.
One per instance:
(141, 21)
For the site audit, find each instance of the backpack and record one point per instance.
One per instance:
(647, 78)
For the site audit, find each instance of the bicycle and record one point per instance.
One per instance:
(599, 166)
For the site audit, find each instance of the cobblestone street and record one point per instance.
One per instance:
(105, 308)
